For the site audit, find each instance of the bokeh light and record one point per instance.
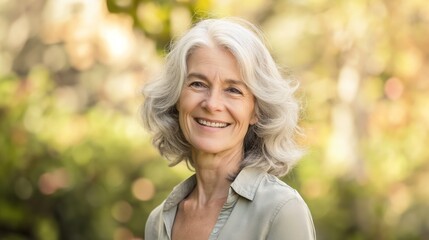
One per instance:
(393, 88)
(122, 211)
(52, 181)
(143, 189)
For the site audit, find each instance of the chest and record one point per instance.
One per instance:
(193, 223)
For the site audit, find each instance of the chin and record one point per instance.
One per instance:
(207, 147)
(214, 147)
(209, 150)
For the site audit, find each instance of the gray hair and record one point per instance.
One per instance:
(269, 144)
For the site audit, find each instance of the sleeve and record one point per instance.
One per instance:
(292, 221)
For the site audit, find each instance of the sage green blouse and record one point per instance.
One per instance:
(259, 206)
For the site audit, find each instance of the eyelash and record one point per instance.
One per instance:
(234, 90)
(197, 84)
(202, 85)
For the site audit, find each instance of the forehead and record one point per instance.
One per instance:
(213, 60)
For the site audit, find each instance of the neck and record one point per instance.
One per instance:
(213, 172)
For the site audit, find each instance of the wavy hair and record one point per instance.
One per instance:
(269, 144)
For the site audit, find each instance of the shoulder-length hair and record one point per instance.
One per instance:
(269, 144)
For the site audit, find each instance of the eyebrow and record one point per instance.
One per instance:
(204, 77)
(197, 75)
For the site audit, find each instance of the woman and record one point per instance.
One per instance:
(222, 106)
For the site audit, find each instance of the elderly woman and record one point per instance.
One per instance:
(222, 106)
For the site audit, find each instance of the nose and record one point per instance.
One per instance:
(213, 101)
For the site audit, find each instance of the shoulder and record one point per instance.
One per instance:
(278, 191)
(289, 214)
(156, 213)
(154, 219)
(285, 201)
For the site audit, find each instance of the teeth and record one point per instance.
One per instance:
(211, 124)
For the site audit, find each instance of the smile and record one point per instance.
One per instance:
(211, 124)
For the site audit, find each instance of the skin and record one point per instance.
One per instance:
(215, 111)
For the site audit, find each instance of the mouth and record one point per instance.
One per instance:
(213, 124)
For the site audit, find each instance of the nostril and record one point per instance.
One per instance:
(213, 101)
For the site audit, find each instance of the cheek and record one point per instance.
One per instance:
(181, 103)
(188, 101)
(251, 112)
(181, 99)
(185, 106)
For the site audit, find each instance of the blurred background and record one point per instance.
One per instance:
(75, 162)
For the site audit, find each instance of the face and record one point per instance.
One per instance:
(215, 106)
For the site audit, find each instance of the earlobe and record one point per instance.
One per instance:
(255, 112)
(177, 106)
(254, 120)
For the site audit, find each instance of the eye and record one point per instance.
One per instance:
(234, 90)
(197, 84)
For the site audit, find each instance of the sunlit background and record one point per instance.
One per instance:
(75, 162)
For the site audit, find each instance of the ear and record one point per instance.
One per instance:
(177, 105)
(254, 119)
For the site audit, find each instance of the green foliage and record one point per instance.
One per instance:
(55, 185)
(154, 17)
